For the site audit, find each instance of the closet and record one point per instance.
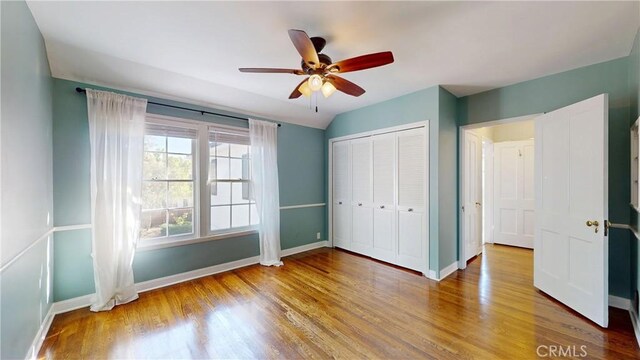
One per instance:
(379, 195)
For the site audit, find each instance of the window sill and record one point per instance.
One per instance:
(146, 245)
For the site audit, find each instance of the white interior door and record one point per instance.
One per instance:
(487, 191)
(384, 208)
(571, 184)
(514, 193)
(341, 185)
(472, 189)
(361, 192)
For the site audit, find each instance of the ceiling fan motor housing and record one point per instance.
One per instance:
(325, 60)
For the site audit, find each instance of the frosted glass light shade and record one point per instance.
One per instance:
(328, 89)
(305, 89)
(315, 82)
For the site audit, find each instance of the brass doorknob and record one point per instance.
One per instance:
(593, 223)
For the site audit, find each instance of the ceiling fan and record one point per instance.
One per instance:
(321, 70)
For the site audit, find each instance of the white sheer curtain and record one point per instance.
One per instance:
(264, 184)
(116, 132)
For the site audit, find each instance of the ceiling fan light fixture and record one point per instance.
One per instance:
(305, 89)
(315, 82)
(328, 89)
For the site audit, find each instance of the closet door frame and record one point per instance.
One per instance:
(419, 124)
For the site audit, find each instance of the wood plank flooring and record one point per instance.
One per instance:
(328, 303)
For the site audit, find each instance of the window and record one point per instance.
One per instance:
(196, 181)
(168, 188)
(232, 205)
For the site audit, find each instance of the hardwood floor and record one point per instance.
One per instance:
(328, 303)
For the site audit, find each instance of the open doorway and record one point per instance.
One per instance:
(497, 185)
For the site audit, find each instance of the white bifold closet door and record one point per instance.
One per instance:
(514, 200)
(412, 189)
(361, 196)
(341, 218)
(384, 197)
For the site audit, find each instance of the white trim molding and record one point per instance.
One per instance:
(453, 267)
(303, 248)
(25, 250)
(634, 322)
(72, 227)
(34, 349)
(86, 300)
(450, 269)
(619, 302)
(302, 206)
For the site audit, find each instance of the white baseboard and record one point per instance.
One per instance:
(303, 248)
(34, 349)
(453, 267)
(75, 303)
(431, 275)
(619, 302)
(635, 322)
(86, 300)
(194, 274)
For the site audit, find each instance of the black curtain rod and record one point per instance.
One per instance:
(202, 112)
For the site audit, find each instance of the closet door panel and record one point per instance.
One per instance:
(361, 161)
(384, 235)
(411, 168)
(362, 240)
(384, 165)
(340, 163)
(342, 225)
(412, 189)
(341, 186)
(411, 240)
(361, 192)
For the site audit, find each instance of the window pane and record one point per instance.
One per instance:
(239, 196)
(154, 143)
(240, 215)
(236, 168)
(154, 195)
(220, 217)
(237, 150)
(179, 145)
(180, 222)
(220, 193)
(154, 166)
(255, 220)
(222, 168)
(180, 194)
(153, 224)
(218, 149)
(180, 167)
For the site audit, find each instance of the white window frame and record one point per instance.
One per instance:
(202, 197)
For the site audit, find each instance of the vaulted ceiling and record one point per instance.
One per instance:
(191, 51)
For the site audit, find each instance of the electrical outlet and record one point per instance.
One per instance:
(317, 236)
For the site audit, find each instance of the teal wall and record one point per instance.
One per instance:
(26, 203)
(301, 175)
(634, 96)
(447, 179)
(418, 106)
(555, 91)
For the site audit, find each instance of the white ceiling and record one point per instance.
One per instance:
(190, 51)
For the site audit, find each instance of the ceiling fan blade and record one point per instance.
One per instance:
(345, 86)
(362, 62)
(305, 47)
(296, 93)
(271, 71)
